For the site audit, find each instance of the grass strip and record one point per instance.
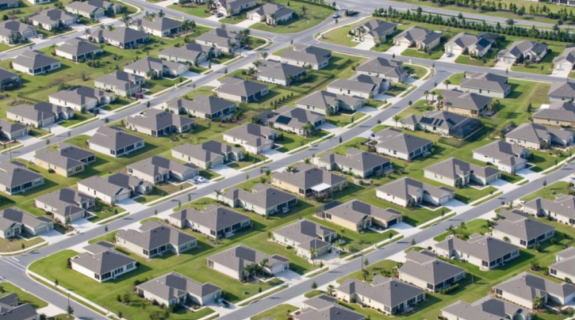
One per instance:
(489, 198)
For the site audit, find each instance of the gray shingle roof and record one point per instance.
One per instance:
(262, 196)
(252, 134)
(464, 40)
(14, 174)
(385, 67)
(14, 311)
(30, 113)
(276, 9)
(502, 151)
(558, 111)
(485, 81)
(234, 3)
(80, 95)
(150, 64)
(6, 76)
(113, 138)
(220, 37)
(354, 85)
(66, 201)
(529, 286)
(51, 16)
(190, 51)
(295, 117)
(103, 261)
(307, 54)
(306, 233)
(206, 151)
(16, 215)
(378, 28)
(426, 266)
(121, 80)
(537, 133)
(326, 308)
(34, 59)
(356, 159)
(563, 205)
(481, 246)
(202, 103)
(278, 70)
(305, 177)
(113, 184)
(438, 118)
(418, 34)
(488, 308)
(519, 225)
(565, 262)
(10, 127)
(214, 218)
(387, 291)
(394, 139)
(454, 168)
(324, 100)
(174, 285)
(238, 257)
(568, 55)
(160, 23)
(156, 164)
(82, 6)
(355, 211)
(157, 120)
(10, 27)
(153, 234)
(562, 89)
(120, 34)
(240, 87)
(464, 100)
(519, 48)
(406, 188)
(56, 159)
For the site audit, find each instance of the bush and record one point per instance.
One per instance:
(450, 289)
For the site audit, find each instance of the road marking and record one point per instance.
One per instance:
(14, 259)
(14, 264)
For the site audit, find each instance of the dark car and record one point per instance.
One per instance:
(219, 15)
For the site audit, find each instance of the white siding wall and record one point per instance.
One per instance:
(390, 198)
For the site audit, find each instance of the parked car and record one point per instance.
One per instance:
(222, 303)
(336, 15)
(219, 15)
(41, 36)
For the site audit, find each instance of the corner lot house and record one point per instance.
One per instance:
(216, 222)
(52, 18)
(326, 307)
(390, 70)
(205, 107)
(15, 178)
(564, 266)
(558, 114)
(254, 138)
(325, 102)
(101, 262)
(523, 50)
(39, 115)
(374, 31)
(121, 83)
(271, 13)
(115, 188)
(241, 90)
(485, 308)
(458, 173)
(523, 288)
(389, 295)
(15, 222)
(507, 157)
(566, 60)
(12, 307)
(157, 26)
(35, 62)
(536, 136)
(221, 39)
(419, 38)
(92, 9)
(303, 56)
(232, 262)
(81, 98)
(485, 83)
(161, 170)
(294, 120)
(114, 142)
(521, 231)
(424, 270)
(407, 192)
(234, 6)
(483, 251)
(465, 103)
(466, 43)
(158, 123)
(279, 73)
(208, 154)
(357, 216)
(393, 142)
(306, 237)
(121, 37)
(62, 165)
(175, 289)
(562, 209)
(154, 238)
(192, 53)
(442, 122)
(12, 31)
(154, 68)
(263, 200)
(356, 162)
(66, 204)
(12, 131)
(306, 180)
(562, 91)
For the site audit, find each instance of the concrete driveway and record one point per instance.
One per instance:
(364, 45)
(246, 23)
(224, 170)
(397, 49)
(445, 58)
(561, 73)
(500, 65)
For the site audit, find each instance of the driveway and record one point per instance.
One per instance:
(561, 73)
(246, 23)
(397, 49)
(501, 65)
(445, 58)
(224, 170)
(131, 205)
(365, 45)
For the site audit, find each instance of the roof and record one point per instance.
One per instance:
(113, 138)
(324, 100)
(11, 310)
(518, 224)
(562, 89)
(51, 16)
(34, 59)
(241, 256)
(307, 54)
(276, 9)
(568, 55)
(305, 177)
(355, 211)
(537, 133)
(66, 201)
(80, 95)
(206, 151)
(502, 151)
(262, 196)
(252, 134)
(14, 174)
(6, 76)
(385, 67)
(378, 28)
(120, 34)
(158, 120)
(278, 70)
(394, 139)
(438, 118)
(9, 27)
(406, 188)
(326, 308)
(563, 205)
(240, 87)
(559, 111)
(149, 64)
(565, 262)
(15, 215)
(121, 80)
(488, 308)
(464, 100)
(454, 168)
(155, 165)
(353, 85)
(114, 184)
(174, 285)
(9, 127)
(295, 117)
(190, 51)
(481, 246)
(519, 48)
(425, 266)
(529, 286)
(57, 159)
(159, 23)
(387, 291)
(82, 6)
(212, 217)
(220, 37)
(234, 3)
(465, 40)
(153, 234)
(485, 81)
(419, 35)
(205, 104)
(103, 261)
(306, 233)
(40, 111)
(356, 159)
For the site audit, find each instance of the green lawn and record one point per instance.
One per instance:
(11, 245)
(417, 71)
(549, 192)
(280, 51)
(78, 117)
(290, 141)
(342, 119)
(195, 10)
(23, 297)
(544, 67)
(435, 54)
(472, 227)
(314, 16)
(249, 159)
(279, 312)
(397, 89)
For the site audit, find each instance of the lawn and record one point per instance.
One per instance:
(343, 119)
(78, 117)
(23, 297)
(249, 159)
(314, 16)
(11, 245)
(279, 312)
(544, 67)
(190, 8)
(549, 192)
(434, 54)
(417, 71)
(290, 141)
(472, 227)
(397, 89)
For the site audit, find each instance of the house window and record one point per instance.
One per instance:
(553, 271)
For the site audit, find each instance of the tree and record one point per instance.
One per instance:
(340, 139)
(313, 252)
(330, 289)
(462, 227)
(155, 212)
(447, 83)
(538, 303)
(218, 193)
(413, 242)
(70, 311)
(426, 93)
(396, 118)
(365, 262)
(314, 285)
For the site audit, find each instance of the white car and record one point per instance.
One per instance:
(336, 15)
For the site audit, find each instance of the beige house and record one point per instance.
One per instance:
(485, 308)
(308, 238)
(516, 228)
(232, 262)
(162, 170)
(214, 221)
(525, 287)
(357, 216)
(254, 138)
(424, 270)
(564, 266)
(208, 154)
(558, 114)
(407, 192)
(62, 165)
(458, 173)
(357, 162)
(419, 38)
(154, 238)
(306, 180)
(15, 223)
(271, 13)
(101, 262)
(561, 210)
(176, 289)
(263, 200)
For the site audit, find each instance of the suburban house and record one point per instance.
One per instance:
(394, 143)
(458, 173)
(325, 307)
(486, 308)
(81, 98)
(208, 154)
(205, 107)
(254, 138)
(115, 188)
(16, 178)
(507, 157)
(101, 262)
(114, 142)
(356, 162)
(158, 169)
(466, 103)
(272, 13)
(566, 60)
(374, 31)
(407, 192)
(121, 37)
(361, 86)
(518, 229)
(12, 31)
(154, 238)
(154, 68)
(263, 200)
(12, 131)
(557, 114)
(224, 40)
(39, 115)
(357, 215)
(232, 262)
(192, 53)
(241, 90)
(301, 55)
(390, 70)
(562, 92)
(121, 83)
(176, 289)
(66, 204)
(388, 295)
(233, 7)
(485, 83)
(157, 123)
(561, 210)
(418, 37)
(35, 63)
(294, 120)
(525, 287)
(214, 221)
(309, 239)
(523, 50)
(58, 163)
(13, 309)
(466, 43)
(6, 4)
(424, 270)
(306, 180)
(76, 153)
(442, 122)
(279, 73)
(564, 266)
(15, 222)
(536, 136)
(8, 78)
(326, 103)
(157, 26)
(52, 19)
(93, 9)
(481, 250)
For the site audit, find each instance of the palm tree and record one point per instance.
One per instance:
(233, 46)
(439, 102)
(426, 93)
(308, 129)
(396, 118)
(330, 289)
(230, 11)
(462, 227)
(218, 193)
(263, 264)
(447, 83)
(126, 20)
(313, 252)
(303, 10)
(86, 31)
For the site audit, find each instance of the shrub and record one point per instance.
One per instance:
(450, 289)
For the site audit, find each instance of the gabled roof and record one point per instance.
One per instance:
(34, 59)
(159, 23)
(503, 152)
(153, 234)
(14, 174)
(326, 308)
(355, 211)
(9, 27)
(537, 133)
(529, 286)
(518, 224)
(80, 95)
(220, 37)
(278, 70)
(7, 76)
(481, 246)
(174, 285)
(354, 85)
(464, 100)
(113, 138)
(82, 6)
(51, 16)
(202, 103)
(307, 54)
(438, 118)
(212, 217)
(276, 9)
(356, 159)
(9, 127)
(488, 308)
(559, 111)
(155, 165)
(454, 168)
(485, 81)
(234, 3)
(15, 215)
(206, 151)
(306, 233)
(149, 64)
(262, 196)
(103, 261)
(240, 87)
(305, 177)
(387, 291)
(394, 139)
(121, 80)
(385, 67)
(568, 55)
(190, 51)
(565, 262)
(241, 256)
(324, 99)
(56, 159)
(114, 184)
(406, 188)
(252, 134)
(120, 34)
(519, 48)
(425, 266)
(419, 35)
(157, 120)
(465, 40)
(562, 89)
(378, 28)
(66, 201)
(11, 310)
(563, 205)
(295, 117)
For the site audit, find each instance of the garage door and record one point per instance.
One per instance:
(456, 51)
(277, 269)
(391, 222)
(122, 197)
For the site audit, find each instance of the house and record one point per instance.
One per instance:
(327, 103)
(158, 169)
(354, 88)
(254, 138)
(208, 154)
(233, 7)
(424, 270)
(221, 39)
(388, 295)
(520, 51)
(232, 262)
(154, 68)
(114, 142)
(307, 181)
(263, 200)
(12, 131)
(536, 136)
(564, 265)
(205, 107)
(301, 55)
(13, 310)
(192, 53)
(52, 19)
(485, 83)
(516, 228)
(241, 90)
(557, 114)
(66, 204)
(356, 162)
(279, 73)
(562, 91)
(418, 37)
(458, 173)
(39, 115)
(76, 153)
(6, 4)
(407, 192)
(272, 13)
(35, 63)
(8, 79)
(466, 103)
(58, 163)
(566, 60)
(357, 215)
(466, 43)
(115, 188)
(525, 287)
(121, 83)
(12, 31)
(561, 210)
(158, 123)
(155, 239)
(157, 26)
(374, 31)
(507, 157)
(81, 98)
(325, 307)
(487, 308)
(93, 9)
(390, 70)
(295, 120)
(308, 238)
(481, 250)
(121, 37)
(442, 122)
(393, 142)
(15, 222)
(16, 178)
(176, 289)
(101, 262)
(214, 221)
